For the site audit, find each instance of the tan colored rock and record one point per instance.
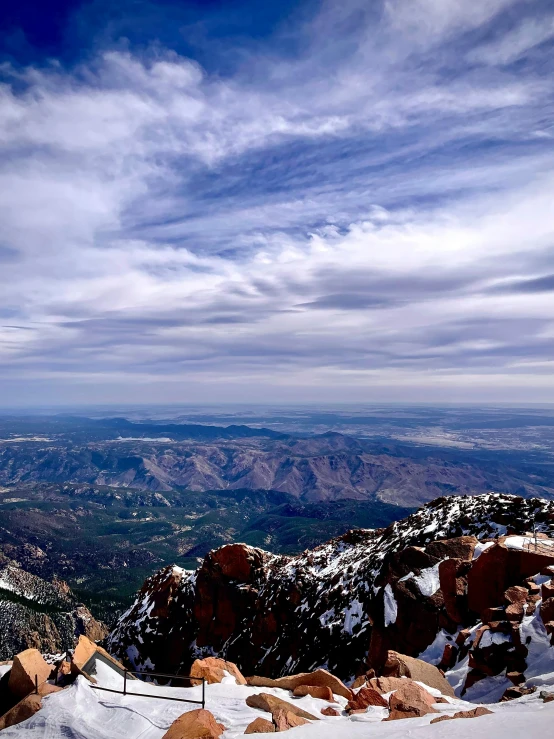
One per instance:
(83, 651)
(198, 724)
(473, 713)
(319, 677)
(400, 665)
(25, 666)
(260, 726)
(285, 720)
(269, 703)
(387, 684)
(316, 691)
(410, 701)
(516, 594)
(330, 711)
(364, 698)
(212, 670)
(22, 711)
(48, 689)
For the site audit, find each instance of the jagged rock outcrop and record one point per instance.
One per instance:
(35, 614)
(454, 580)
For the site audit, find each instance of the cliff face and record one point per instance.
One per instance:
(424, 585)
(39, 614)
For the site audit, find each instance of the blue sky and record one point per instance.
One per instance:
(296, 201)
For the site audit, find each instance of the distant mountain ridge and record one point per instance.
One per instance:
(330, 466)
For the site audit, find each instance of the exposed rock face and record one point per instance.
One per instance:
(199, 724)
(285, 720)
(457, 564)
(27, 666)
(292, 682)
(364, 698)
(22, 711)
(316, 691)
(35, 614)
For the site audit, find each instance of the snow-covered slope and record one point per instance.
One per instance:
(81, 712)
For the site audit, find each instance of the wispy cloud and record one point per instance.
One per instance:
(368, 213)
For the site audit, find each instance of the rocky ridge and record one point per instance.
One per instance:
(456, 583)
(38, 614)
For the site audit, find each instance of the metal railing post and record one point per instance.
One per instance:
(36, 684)
(203, 693)
(125, 681)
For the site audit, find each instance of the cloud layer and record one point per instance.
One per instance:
(369, 218)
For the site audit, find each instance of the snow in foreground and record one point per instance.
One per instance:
(81, 712)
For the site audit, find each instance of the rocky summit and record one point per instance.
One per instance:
(462, 584)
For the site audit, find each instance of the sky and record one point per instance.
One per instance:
(235, 201)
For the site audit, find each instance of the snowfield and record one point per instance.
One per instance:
(82, 712)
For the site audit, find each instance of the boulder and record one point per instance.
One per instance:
(260, 726)
(269, 703)
(27, 665)
(364, 698)
(473, 713)
(22, 711)
(330, 711)
(459, 547)
(319, 677)
(547, 610)
(47, 689)
(547, 590)
(198, 724)
(83, 651)
(213, 671)
(316, 691)
(453, 582)
(388, 684)
(410, 701)
(285, 720)
(516, 594)
(511, 694)
(449, 656)
(400, 665)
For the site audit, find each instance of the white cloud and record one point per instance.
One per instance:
(349, 225)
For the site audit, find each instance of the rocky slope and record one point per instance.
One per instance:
(455, 582)
(40, 614)
(321, 468)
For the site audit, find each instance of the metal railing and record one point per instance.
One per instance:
(157, 697)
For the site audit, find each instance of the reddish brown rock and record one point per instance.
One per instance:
(473, 713)
(316, 691)
(319, 677)
(268, 702)
(493, 615)
(285, 720)
(517, 678)
(453, 582)
(514, 612)
(330, 711)
(462, 637)
(511, 694)
(516, 594)
(497, 569)
(400, 665)
(213, 671)
(260, 726)
(449, 656)
(22, 711)
(547, 610)
(547, 590)
(364, 698)
(410, 701)
(198, 724)
(459, 547)
(27, 666)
